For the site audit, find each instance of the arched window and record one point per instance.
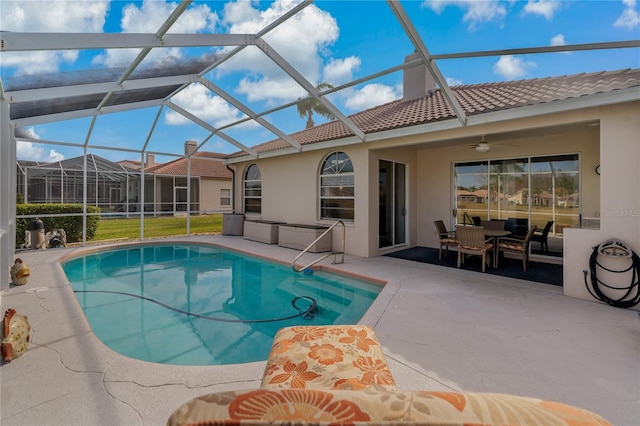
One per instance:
(253, 190)
(337, 187)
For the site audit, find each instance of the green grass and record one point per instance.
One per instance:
(155, 227)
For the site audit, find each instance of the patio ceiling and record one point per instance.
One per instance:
(41, 99)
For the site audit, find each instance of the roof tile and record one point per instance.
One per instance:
(474, 99)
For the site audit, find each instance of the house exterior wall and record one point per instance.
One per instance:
(619, 203)
(290, 186)
(210, 190)
(287, 197)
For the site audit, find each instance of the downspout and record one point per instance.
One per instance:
(233, 188)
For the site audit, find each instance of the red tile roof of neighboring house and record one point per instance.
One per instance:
(203, 164)
(475, 99)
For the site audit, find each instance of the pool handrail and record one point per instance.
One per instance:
(334, 253)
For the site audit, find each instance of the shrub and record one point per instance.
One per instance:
(72, 225)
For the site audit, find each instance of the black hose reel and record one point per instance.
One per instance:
(601, 260)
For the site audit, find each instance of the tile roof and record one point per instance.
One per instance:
(203, 164)
(475, 99)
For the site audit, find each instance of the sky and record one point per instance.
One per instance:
(329, 41)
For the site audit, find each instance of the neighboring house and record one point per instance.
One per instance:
(62, 181)
(115, 187)
(390, 186)
(210, 183)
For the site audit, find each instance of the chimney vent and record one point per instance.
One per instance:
(418, 81)
(151, 160)
(190, 147)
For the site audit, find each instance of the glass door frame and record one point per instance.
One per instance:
(396, 183)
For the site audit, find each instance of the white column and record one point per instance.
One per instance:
(7, 195)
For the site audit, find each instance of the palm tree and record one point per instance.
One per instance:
(308, 106)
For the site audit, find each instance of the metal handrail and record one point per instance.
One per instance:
(334, 253)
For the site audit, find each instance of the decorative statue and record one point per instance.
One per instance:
(56, 238)
(19, 272)
(15, 333)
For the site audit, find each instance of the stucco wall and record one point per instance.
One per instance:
(290, 186)
(619, 201)
(210, 190)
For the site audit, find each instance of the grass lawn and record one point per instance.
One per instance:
(155, 227)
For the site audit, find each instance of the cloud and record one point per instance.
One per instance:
(370, 96)
(510, 67)
(29, 151)
(629, 18)
(147, 18)
(476, 11)
(266, 81)
(49, 16)
(558, 40)
(544, 8)
(339, 71)
(204, 104)
(453, 81)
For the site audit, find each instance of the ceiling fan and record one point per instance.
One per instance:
(482, 146)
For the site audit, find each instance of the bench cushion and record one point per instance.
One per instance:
(327, 357)
(378, 407)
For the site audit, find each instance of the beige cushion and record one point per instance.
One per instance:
(327, 357)
(379, 407)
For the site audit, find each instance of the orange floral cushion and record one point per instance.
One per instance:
(379, 407)
(511, 246)
(327, 357)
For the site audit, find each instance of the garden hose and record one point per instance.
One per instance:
(308, 313)
(631, 296)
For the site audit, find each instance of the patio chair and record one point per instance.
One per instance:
(447, 238)
(471, 241)
(541, 236)
(515, 245)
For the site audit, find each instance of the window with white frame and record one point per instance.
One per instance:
(225, 197)
(253, 190)
(337, 187)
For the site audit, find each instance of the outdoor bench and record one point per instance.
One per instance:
(300, 236)
(264, 231)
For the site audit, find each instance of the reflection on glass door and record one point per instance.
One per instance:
(392, 204)
(509, 189)
(541, 191)
(555, 195)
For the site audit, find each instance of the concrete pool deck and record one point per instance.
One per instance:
(441, 329)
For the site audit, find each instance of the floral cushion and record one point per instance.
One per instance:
(318, 407)
(327, 357)
(511, 246)
(487, 246)
(335, 375)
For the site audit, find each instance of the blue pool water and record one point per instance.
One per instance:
(136, 300)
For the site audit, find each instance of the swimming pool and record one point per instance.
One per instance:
(190, 304)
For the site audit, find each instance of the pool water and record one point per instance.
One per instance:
(136, 300)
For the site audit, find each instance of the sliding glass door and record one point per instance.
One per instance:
(392, 204)
(522, 191)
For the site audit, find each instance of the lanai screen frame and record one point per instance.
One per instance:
(123, 92)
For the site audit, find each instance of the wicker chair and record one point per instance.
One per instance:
(447, 238)
(494, 224)
(542, 236)
(471, 241)
(515, 245)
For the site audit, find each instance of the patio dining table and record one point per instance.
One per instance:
(494, 234)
